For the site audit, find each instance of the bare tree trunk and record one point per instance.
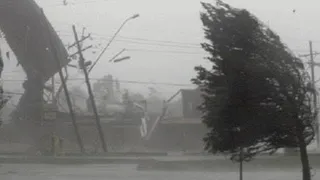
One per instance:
(241, 165)
(28, 115)
(304, 158)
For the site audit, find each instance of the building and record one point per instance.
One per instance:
(191, 100)
(179, 131)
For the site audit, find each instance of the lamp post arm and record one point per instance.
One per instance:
(109, 43)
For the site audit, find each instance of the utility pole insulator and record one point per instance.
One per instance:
(82, 50)
(82, 39)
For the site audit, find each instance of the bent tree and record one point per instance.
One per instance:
(256, 93)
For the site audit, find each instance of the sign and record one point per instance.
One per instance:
(50, 112)
(50, 116)
(143, 128)
(191, 100)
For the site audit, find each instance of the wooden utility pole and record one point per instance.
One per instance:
(314, 99)
(315, 104)
(72, 115)
(53, 98)
(93, 104)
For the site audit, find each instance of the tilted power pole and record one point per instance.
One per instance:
(64, 85)
(93, 104)
(314, 64)
(315, 104)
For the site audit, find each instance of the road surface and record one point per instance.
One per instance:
(128, 172)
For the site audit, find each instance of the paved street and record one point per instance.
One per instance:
(128, 172)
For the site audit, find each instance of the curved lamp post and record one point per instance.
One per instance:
(104, 49)
(121, 59)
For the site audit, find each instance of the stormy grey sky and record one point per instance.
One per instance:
(164, 42)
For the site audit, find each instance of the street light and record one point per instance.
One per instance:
(104, 49)
(114, 57)
(121, 59)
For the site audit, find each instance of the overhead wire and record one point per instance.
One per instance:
(121, 81)
(75, 3)
(103, 36)
(9, 4)
(163, 51)
(124, 38)
(159, 45)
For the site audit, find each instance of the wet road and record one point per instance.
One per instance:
(128, 172)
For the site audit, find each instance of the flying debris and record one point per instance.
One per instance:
(8, 55)
(1, 64)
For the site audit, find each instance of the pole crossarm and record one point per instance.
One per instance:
(75, 43)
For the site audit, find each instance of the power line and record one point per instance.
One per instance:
(101, 36)
(163, 43)
(121, 81)
(74, 4)
(169, 41)
(160, 51)
(160, 45)
(138, 82)
(152, 40)
(13, 93)
(9, 4)
(164, 51)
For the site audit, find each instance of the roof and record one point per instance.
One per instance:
(26, 32)
(181, 120)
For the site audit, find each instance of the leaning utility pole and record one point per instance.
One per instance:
(315, 104)
(53, 98)
(73, 118)
(314, 99)
(93, 104)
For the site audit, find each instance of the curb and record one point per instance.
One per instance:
(70, 160)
